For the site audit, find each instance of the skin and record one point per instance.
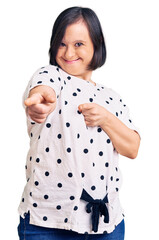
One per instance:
(74, 56)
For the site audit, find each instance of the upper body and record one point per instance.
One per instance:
(77, 130)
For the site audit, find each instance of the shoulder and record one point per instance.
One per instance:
(48, 69)
(113, 95)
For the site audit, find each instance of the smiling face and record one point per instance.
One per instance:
(76, 51)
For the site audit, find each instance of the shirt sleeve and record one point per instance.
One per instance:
(124, 115)
(48, 76)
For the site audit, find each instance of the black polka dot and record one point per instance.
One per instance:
(70, 174)
(74, 94)
(59, 161)
(66, 102)
(46, 197)
(68, 150)
(82, 175)
(93, 188)
(59, 136)
(75, 208)
(91, 99)
(107, 102)
(69, 78)
(100, 153)
(59, 78)
(46, 174)
(99, 130)
(79, 90)
(51, 80)
(36, 183)
(30, 158)
(78, 135)
(91, 141)
(39, 82)
(107, 164)
(102, 177)
(117, 189)
(79, 112)
(38, 160)
(58, 207)
(85, 150)
(108, 141)
(117, 179)
(111, 98)
(22, 199)
(72, 197)
(45, 218)
(93, 164)
(116, 114)
(66, 220)
(48, 125)
(111, 178)
(47, 149)
(59, 185)
(67, 124)
(35, 205)
(60, 111)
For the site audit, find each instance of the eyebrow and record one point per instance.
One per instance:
(76, 41)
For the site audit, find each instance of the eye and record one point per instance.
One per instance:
(79, 44)
(62, 44)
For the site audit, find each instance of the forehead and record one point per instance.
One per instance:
(77, 30)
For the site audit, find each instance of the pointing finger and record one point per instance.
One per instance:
(36, 98)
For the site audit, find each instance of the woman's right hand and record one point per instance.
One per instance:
(40, 103)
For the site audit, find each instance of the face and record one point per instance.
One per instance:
(76, 51)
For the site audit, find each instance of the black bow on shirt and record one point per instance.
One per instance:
(98, 207)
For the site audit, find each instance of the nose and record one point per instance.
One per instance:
(69, 53)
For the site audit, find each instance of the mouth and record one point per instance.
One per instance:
(72, 61)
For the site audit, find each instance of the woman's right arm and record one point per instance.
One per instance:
(40, 103)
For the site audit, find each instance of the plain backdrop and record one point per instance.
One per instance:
(132, 69)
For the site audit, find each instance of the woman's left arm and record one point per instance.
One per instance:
(125, 140)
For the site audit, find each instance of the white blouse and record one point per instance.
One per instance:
(72, 170)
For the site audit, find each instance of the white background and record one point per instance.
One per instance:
(132, 69)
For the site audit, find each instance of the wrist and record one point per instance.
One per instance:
(106, 119)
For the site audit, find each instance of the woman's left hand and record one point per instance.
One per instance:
(94, 114)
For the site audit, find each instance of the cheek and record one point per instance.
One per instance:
(87, 55)
(59, 54)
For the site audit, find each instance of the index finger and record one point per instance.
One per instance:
(36, 98)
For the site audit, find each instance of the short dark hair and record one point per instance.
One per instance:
(70, 16)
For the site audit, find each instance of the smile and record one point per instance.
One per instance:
(72, 61)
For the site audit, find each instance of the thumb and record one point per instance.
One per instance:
(35, 98)
(80, 108)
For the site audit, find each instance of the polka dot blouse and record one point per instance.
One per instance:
(72, 170)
